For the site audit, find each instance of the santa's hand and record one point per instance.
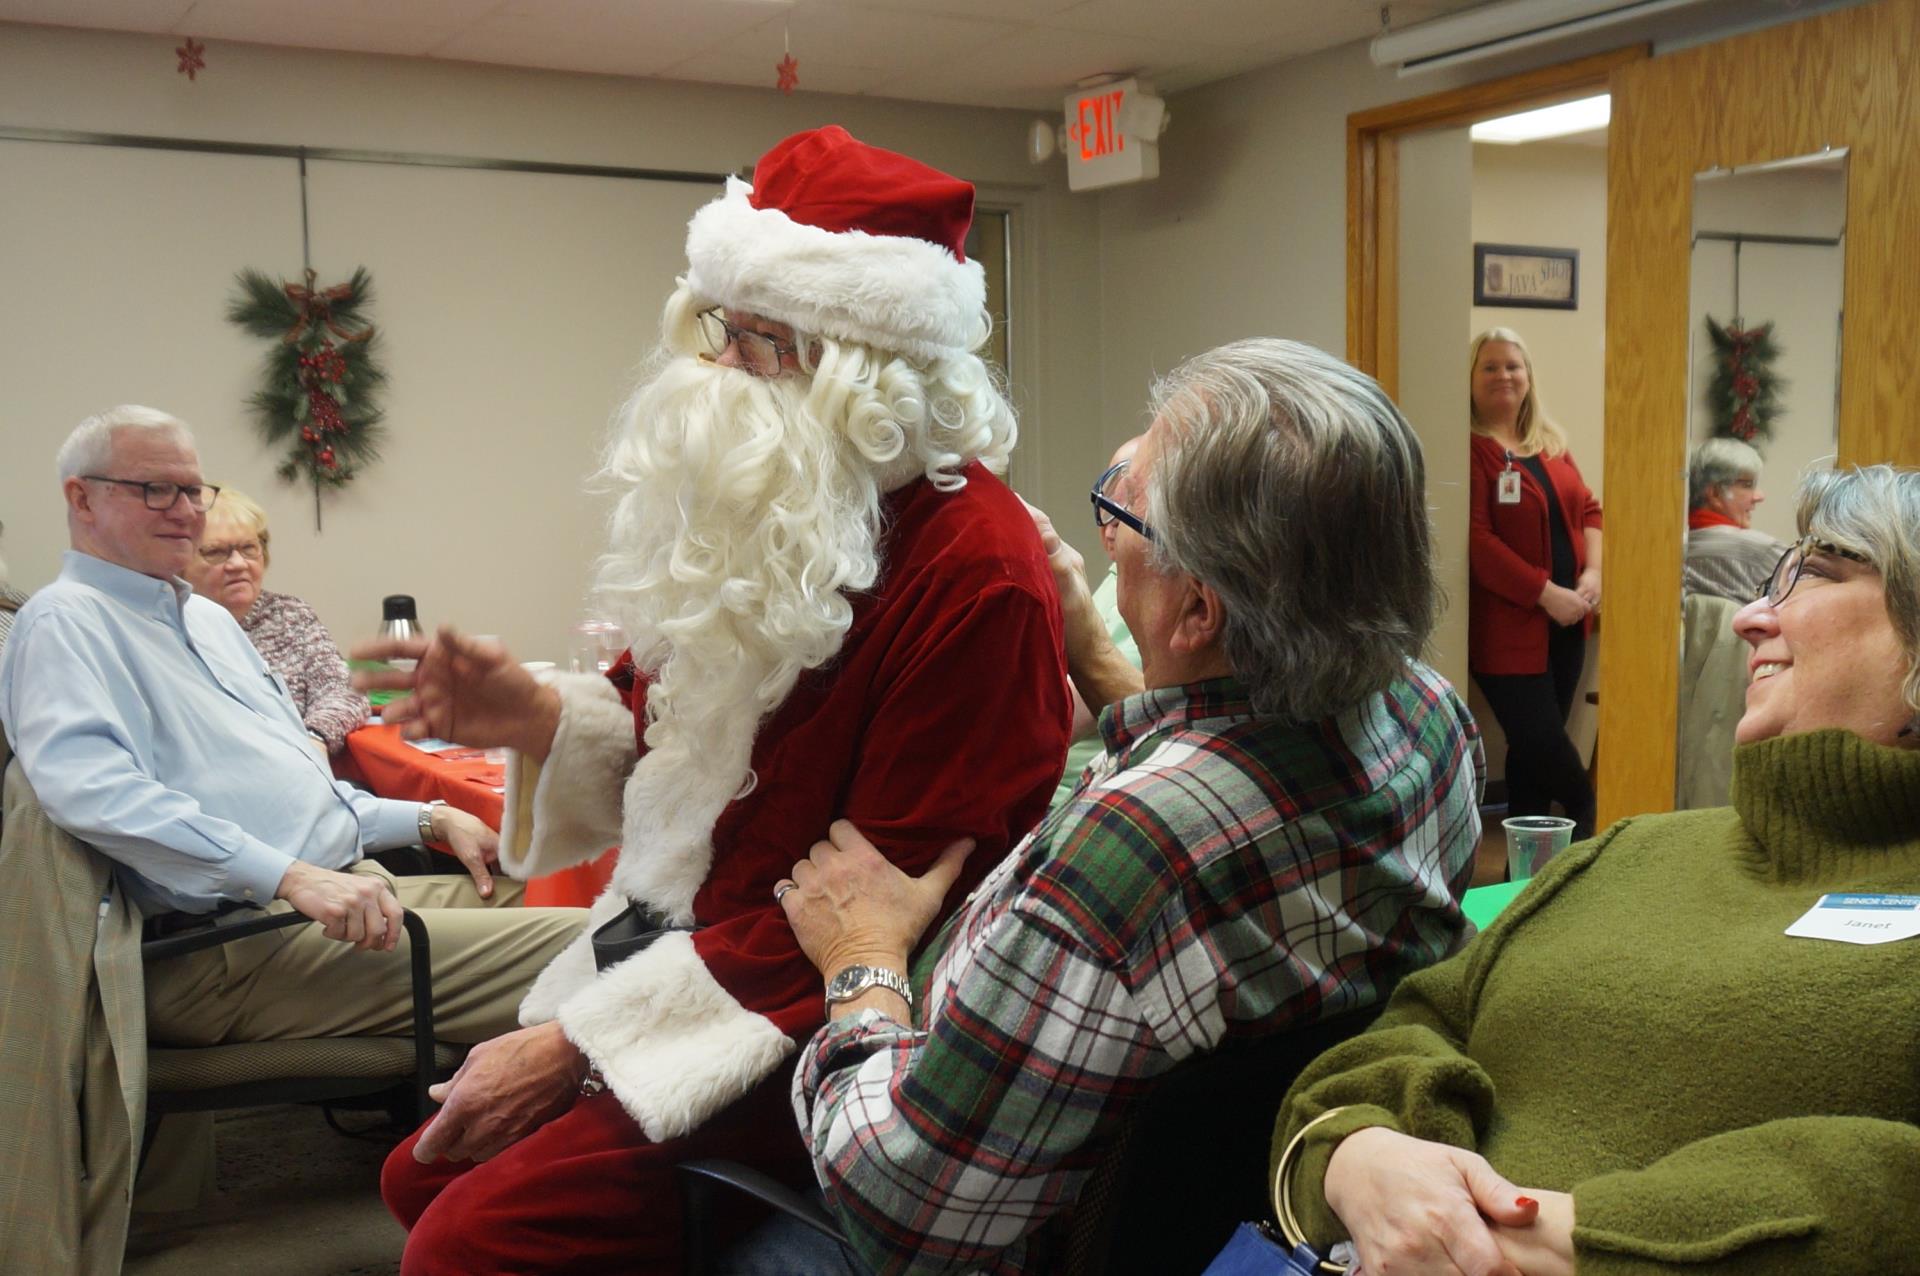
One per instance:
(850, 907)
(505, 1090)
(464, 690)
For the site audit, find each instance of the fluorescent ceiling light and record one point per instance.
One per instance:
(1488, 29)
(1583, 116)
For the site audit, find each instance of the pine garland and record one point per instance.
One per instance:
(321, 377)
(1744, 393)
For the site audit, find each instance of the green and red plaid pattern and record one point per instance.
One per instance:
(1218, 875)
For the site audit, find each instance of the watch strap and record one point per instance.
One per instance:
(426, 819)
(854, 980)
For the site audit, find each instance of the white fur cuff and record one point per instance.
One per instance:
(567, 810)
(673, 1045)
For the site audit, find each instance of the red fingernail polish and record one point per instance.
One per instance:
(1525, 1201)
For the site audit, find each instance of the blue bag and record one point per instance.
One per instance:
(1253, 1250)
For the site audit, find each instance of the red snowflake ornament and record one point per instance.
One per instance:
(789, 74)
(192, 58)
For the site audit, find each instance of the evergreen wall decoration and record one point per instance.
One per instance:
(1744, 393)
(318, 397)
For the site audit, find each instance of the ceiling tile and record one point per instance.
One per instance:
(1014, 10)
(112, 15)
(365, 26)
(621, 37)
(849, 31)
(1038, 68)
(1018, 53)
(1231, 24)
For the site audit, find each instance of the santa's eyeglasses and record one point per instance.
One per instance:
(760, 354)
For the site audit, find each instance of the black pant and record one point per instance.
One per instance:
(1542, 765)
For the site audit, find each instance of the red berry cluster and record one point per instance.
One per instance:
(318, 369)
(323, 364)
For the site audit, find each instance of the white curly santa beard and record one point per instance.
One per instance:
(742, 522)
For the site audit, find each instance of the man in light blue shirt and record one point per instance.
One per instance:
(150, 728)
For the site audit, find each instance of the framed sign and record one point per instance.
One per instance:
(1516, 275)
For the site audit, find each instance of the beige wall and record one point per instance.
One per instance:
(1245, 232)
(1436, 290)
(515, 306)
(1552, 195)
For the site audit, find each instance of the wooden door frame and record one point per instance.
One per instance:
(1373, 187)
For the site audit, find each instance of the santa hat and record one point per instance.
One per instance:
(845, 240)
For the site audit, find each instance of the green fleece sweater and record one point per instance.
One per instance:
(1637, 1029)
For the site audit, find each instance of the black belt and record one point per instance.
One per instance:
(630, 932)
(161, 925)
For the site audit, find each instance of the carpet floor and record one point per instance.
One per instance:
(292, 1197)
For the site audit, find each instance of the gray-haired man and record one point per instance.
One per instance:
(1279, 829)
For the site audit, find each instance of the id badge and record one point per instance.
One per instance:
(1508, 490)
(1860, 919)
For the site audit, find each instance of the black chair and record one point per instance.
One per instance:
(1180, 1172)
(304, 1070)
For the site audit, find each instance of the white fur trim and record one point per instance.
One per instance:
(673, 1045)
(567, 811)
(572, 968)
(890, 291)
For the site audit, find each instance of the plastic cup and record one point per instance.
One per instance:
(1532, 840)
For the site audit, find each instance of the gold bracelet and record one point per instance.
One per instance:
(1290, 1228)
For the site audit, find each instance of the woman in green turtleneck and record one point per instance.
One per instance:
(1635, 1069)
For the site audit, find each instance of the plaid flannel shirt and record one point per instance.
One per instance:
(1218, 875)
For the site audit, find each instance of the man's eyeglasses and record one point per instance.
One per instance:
(161, 496)
(1107, 510)
(1786, 573)
(759, 353)
(214, 555)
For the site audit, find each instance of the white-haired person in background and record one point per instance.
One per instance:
(150, 729)
(836, 607)
(1725, 554)
(228, 566)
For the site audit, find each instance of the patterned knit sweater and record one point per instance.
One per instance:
(1637, 1029)
(290, 638)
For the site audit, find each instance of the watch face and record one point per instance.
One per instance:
(849, 981)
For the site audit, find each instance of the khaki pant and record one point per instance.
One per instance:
(298, 983)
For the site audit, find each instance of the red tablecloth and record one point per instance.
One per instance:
(378, 758)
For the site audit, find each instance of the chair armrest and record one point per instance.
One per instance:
(762, 1187)
(420, 952)
(215, 933)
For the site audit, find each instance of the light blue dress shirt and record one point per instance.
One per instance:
(152, 730)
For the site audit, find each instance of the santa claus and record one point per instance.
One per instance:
(836, 609)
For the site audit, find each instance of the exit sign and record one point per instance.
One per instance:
(1101, 151)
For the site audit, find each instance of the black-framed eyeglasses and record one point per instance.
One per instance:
(161, 496)
(1786, 573)
(759, 353)
(1107, 511)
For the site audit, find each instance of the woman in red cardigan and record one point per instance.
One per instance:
(1534, 555)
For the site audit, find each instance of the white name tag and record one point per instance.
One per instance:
(1508, 492)
(1860, 919)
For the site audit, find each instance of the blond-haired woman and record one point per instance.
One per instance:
(233, 558)
(1534, 557)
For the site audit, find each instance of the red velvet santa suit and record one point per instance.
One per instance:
(944, 715)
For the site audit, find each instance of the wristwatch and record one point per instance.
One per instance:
(854, 980)
(426, 819)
